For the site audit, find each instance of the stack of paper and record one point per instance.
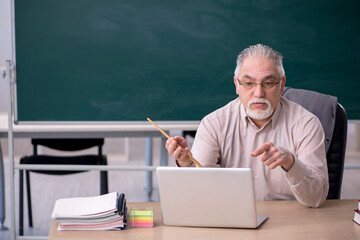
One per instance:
(103, 212)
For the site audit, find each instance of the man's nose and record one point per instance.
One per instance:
(259, 91)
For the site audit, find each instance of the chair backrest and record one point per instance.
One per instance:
(336, 153)
(71, 144)
(334, 121)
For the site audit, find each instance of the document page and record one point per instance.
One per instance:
(85, 206)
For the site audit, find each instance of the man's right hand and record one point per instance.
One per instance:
(178, 149)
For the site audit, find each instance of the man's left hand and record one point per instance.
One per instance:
(274, 157)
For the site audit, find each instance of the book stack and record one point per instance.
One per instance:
(105, 212)
(357, 214)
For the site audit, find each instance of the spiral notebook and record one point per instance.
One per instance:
(105, 212)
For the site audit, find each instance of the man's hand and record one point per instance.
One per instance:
(274, 157)
(178, 149)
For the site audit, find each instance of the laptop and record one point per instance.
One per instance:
(208, 197)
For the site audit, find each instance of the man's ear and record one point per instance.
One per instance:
(283, 81)
(236, 85)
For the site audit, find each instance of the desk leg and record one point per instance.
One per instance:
(2, 193)
(149, 162)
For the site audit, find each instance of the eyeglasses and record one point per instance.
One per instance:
(267, 84)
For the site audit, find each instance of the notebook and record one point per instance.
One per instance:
(208, 197)
(103, 212)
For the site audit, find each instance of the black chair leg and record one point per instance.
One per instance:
(21, 202)
(28, 190)
(104, 189)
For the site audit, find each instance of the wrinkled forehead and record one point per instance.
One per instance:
(255, 67)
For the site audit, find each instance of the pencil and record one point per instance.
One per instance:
(167, 136)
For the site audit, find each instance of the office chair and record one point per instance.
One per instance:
(334, 121)
(336, 154)
(63, 145)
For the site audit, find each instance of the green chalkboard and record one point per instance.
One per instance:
(173, 60)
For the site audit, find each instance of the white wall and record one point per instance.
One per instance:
(5, 47)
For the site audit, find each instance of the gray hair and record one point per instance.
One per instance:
(260, 50)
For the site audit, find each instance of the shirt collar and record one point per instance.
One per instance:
(243, 115)
(276, 114)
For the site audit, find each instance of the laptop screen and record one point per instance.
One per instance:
(207, 197)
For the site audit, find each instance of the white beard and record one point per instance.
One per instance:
(259, 114)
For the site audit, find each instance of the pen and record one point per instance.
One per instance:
(164, 133)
